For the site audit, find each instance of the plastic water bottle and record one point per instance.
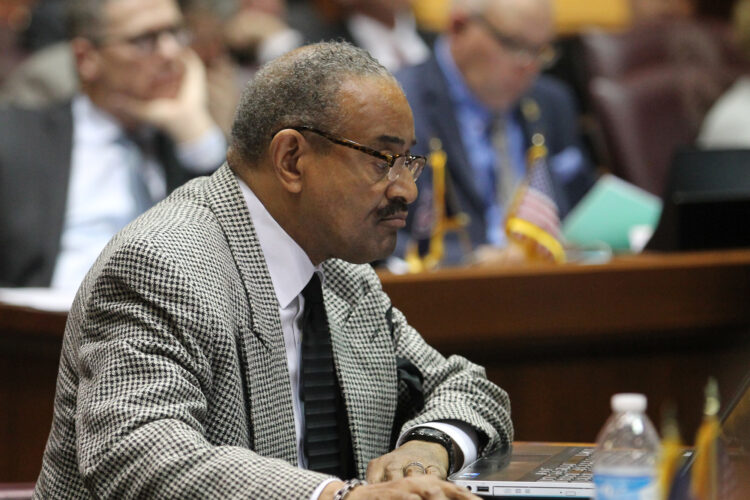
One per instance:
(627, 450)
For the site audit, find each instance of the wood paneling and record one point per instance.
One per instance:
(561, 340)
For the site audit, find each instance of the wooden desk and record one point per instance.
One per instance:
(29, 350)
(560, 340)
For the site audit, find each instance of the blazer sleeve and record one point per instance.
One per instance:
(454, 389)
(147, 392)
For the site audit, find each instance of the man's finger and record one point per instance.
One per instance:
(461, 493)
(374, 472)
(414, 469)
(393, 471)
(430, 487)
(434, 470)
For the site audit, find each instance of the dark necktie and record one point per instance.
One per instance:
(327, 441)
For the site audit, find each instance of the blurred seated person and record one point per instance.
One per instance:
(208, 22)
(482, 96)
(259, 32)
(49, 75)
(73, 174)
(384, 28)
(727, 123)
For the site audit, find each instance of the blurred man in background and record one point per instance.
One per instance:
(73, 174)
(482, 96)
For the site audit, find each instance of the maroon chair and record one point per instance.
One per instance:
(649, 89)
(649, 45)
(645, 118)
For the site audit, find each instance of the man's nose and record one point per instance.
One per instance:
(403, 187)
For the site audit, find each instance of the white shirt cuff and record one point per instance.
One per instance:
(462, 434)
(205, 154)
(316, 494)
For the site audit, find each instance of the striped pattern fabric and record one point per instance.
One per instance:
(533, 219)
(327, 447)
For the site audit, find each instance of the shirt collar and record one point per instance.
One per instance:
(288, 264)
(93, 124)
(393, 47)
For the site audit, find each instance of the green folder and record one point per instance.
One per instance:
(608, 211)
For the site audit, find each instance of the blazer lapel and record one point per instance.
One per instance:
(261, 341)
(366, 366)
(57, 128)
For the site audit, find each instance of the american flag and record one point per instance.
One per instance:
(533, 219)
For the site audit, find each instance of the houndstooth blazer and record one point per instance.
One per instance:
(173, 378)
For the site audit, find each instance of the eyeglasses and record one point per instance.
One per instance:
(526, 53)
(147, 43)
(391, 169)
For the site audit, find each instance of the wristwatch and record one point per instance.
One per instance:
(436, 436)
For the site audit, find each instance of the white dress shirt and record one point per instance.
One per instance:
(111, 183)
(290, 269)
(395, 47)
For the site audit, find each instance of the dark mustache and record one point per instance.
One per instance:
(393, 208)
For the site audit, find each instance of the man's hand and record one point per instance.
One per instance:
(411, 488)
(223, 93)
(410, 459)
(487, 255)
(185, 118)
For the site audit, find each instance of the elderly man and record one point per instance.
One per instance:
(482, 96)
(74, 174)
(231, 342)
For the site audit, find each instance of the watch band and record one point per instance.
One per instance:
(435, 436)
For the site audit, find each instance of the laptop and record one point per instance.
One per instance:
(531, 470)
(548, 470)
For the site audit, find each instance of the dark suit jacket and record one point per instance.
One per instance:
(35, 156)
(173, 377)
(435, 117)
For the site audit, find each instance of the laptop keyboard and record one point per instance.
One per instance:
(573, 469)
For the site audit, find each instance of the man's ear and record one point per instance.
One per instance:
(87, 59)
(287, 150)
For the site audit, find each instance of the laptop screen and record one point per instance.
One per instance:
(735, 425)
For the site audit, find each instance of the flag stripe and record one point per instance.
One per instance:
(533, 218)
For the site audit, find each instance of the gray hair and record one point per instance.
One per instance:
(85, 18)
(299, 88)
